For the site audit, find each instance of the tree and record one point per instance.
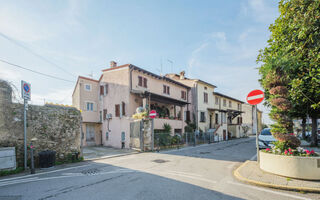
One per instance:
(294, 51)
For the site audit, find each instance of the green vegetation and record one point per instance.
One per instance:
(10, 172)
(290, 71)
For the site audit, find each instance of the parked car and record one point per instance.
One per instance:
(266, 138)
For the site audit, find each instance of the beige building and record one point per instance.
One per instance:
(249, 117)
(85, 97)
(201, 99)
(228, 111)
(117, 94)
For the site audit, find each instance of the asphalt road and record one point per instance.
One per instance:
(203, 172)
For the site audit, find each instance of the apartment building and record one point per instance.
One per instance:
(228, 111)
(201, 110)
(120, 91)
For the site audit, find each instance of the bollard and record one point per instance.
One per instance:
(32, 159)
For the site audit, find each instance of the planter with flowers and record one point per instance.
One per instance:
(291, 162)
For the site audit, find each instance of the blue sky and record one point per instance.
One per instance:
(214, 40)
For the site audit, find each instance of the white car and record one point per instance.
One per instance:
(265, 139)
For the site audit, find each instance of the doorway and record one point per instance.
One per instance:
(90, 134)
(224, 135)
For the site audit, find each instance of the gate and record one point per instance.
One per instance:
(136, 139)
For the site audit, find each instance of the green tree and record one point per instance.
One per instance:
(292, 57)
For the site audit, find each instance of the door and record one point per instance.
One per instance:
(210, 122)
(224, 135)
(90, 133)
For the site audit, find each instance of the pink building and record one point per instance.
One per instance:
(107, 107)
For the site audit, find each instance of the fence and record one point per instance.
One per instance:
(168, 141)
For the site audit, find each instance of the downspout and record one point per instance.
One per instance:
(196, 104)
(130, 78)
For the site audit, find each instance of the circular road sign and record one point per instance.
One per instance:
(26, 88)
(255, 97)
(152, 114)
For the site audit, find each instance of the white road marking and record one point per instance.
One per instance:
(256, 97)
(64, 175)
(270, 191)
(31, 175)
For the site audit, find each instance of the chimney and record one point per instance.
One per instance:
(182, 75)
(113, 64)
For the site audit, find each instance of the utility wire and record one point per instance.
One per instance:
(43, 74)
(35, 54)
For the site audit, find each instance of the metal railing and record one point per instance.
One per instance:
(169, 141)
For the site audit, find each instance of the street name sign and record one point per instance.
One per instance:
(255, 97)
(152, 114)
(25, 90)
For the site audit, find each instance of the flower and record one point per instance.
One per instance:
(267, 149)
(286, 152)
(312, 151)
(291, 152)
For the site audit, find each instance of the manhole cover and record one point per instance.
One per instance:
(90, 172)
(160, 161)
(205, 152)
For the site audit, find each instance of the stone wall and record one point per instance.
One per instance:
(56, 128)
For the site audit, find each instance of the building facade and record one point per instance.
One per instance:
(120, 91)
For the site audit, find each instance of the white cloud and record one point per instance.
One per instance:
(260, 10)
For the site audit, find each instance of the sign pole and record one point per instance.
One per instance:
(152, 134)
(25, 132)
(257, 134)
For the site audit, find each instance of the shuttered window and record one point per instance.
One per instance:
(140, 81)
(105, 112)
(166, 89)
(145, 82)
(117, 110)
(123, 108)
(205, 97)
(101, 90)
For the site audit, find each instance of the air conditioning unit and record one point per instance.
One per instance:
(109, 116)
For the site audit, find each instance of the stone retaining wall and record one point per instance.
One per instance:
(55, 127)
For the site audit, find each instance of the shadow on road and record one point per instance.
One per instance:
(237, 150)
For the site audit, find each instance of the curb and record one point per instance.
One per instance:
(112, 156)
(238, 176)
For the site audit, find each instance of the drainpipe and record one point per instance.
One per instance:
(197, 114)
(130, 77)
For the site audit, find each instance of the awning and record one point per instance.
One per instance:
(161, 98)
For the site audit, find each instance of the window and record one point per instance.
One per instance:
(100, 114)
(230, 104)
(142, 82)
(89, 106)
(224, 102)
(117, 110)
(205, 88)
(183, 95)
(217, 100)
(166, 89)
(217, 118)
(205, 97)
(202, 117)
(101, 90)
(87, 87)
(145, 81)
(239, 106)
(123, 108)
(105, 112)
(106, 89)
(239, 120)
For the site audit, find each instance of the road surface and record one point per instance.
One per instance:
(202, 172)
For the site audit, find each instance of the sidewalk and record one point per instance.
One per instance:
(94, 153)
(251, 173)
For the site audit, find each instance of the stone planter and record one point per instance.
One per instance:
(291, 166)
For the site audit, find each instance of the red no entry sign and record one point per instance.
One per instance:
(255, 97)
(152, 114)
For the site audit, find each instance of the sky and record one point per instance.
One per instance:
(213, 40)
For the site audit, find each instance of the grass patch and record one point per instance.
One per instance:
(10, 172)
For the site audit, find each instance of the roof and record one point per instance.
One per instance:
(131, 66)
(85, 78)
(199, 80)
(223, 95)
